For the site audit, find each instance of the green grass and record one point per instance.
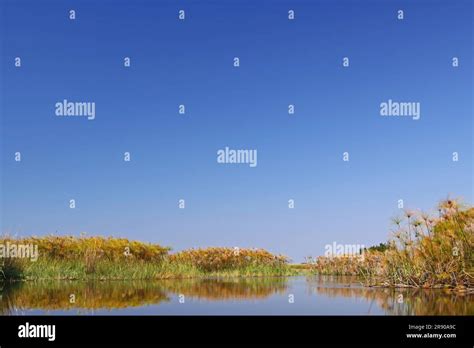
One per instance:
(127, 269)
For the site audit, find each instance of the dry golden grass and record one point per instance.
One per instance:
(217, 259)
(72, 248)
(67, 257)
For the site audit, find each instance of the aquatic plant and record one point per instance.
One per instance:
(218, 259)
(67, 257)
(424, 252)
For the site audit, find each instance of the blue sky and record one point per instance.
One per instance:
(174, 156)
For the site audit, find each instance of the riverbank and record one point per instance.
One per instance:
(99, 258)
(424, 252)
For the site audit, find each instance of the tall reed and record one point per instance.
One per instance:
(424, 252)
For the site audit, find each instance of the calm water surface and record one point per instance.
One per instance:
(319, 295)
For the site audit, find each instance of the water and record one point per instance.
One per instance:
(318, 295)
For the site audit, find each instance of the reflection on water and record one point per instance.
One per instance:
(63, 295)
(227, 289)
(401, 301)
(312, 295)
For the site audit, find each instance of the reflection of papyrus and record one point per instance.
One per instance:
(395, 301)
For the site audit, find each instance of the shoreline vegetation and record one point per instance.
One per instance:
(100, 258)
(424, 252)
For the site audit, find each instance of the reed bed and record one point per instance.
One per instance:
(424, 252)
(218, 259)
(67, 257)
(88, 296)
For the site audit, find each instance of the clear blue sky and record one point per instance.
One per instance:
(174, 156)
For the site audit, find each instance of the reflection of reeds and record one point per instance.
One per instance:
(56, 295)
(90, 296)
(400, 301)
(425, 252)
(228, 289)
